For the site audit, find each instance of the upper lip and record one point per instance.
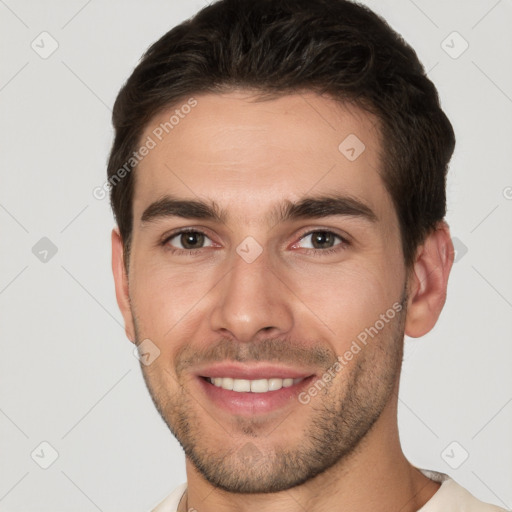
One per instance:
(252, 371)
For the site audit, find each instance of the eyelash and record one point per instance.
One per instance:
(344, 243)
(174, 250)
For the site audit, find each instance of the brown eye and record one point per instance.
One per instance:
(320, 240)
(188, 240)
(192, 240)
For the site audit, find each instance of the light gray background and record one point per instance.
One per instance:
(68, 375)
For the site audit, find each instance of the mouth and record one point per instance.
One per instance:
(251, 390)
(253, 386)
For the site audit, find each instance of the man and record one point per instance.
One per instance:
(278, 181)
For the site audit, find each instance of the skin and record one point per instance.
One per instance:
(295, 302)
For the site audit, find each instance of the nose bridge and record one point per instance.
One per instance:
(246, 281)
(251, 298)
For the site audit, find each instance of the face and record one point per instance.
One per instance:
(266, 274)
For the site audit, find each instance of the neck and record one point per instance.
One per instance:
(376, 475)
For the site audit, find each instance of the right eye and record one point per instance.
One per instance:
(187, 240)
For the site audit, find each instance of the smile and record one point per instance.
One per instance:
(252, 386)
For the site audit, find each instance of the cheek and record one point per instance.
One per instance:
(352, 297)
(167, 302)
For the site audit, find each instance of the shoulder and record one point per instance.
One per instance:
(452, 497)
(170, 504)
(466, 500)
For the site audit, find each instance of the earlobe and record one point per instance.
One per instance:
(428, 281)
(121, 283)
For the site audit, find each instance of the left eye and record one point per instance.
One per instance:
(320, 240)
(189, 240)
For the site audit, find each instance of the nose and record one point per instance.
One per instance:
(251, 301)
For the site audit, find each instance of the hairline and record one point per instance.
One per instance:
(261, 94)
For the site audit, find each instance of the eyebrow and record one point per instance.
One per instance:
(307, 207)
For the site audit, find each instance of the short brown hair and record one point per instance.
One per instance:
(333, 47)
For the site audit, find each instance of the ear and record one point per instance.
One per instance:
(428, 280)
(121, 283)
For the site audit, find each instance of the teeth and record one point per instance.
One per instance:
(240, 385)
(274, 384)
(253, 386)
(259, 386)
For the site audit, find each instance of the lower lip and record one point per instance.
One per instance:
(248, 404)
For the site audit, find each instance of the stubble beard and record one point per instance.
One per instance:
(339, 420)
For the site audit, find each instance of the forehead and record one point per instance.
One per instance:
(246, 154)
